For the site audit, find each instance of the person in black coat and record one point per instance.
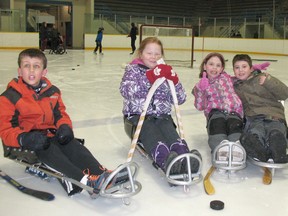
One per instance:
(132, 35)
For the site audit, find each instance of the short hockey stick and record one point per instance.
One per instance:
(35, 193)
(208, 187)
(177, 109)
(154, 87)
(267, 176)
(175, 101)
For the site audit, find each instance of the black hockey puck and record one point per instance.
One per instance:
(217, 205)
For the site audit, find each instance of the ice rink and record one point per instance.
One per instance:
(90, 88)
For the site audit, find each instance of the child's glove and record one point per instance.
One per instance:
(204, 82)
(157, 72)
(261, 67)
(171, 75)
(33, 141)
(64, 134)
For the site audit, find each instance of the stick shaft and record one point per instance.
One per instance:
(267, 176)
(209, 188)
(154, 87)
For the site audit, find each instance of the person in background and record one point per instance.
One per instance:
(133, 35)
(98, 41)
(54, 38)
(43, 34)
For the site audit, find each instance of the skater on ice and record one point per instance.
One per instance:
(98, 41)
(158, 135)
(265, 133)
(33, 117)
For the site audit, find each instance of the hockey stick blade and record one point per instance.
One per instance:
(209, 188)
(35, 193)
(267, 176)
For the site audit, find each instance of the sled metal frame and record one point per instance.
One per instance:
(185, 179)
(122, 191)
(229, 165)
(269, 164)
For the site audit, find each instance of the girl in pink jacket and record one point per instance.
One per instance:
(214, 94)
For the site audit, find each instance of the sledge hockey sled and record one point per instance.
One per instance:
(184, 179)
(269, 168)
(228, 156)
(122, 190)
(269, 164)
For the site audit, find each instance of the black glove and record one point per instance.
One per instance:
(64, 134)
(33, 141)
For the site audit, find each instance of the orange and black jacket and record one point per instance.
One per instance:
(23, 110)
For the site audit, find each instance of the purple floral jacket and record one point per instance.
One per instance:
(134, 88)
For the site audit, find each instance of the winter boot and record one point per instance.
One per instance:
(180, 147)
(160, 154)
(278, 146)
(254, 147)
(194, 163)
(176, 167)
(96, 181)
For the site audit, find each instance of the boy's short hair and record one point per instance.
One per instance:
(33, 53)
(242, 57)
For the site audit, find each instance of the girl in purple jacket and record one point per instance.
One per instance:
(158, 135)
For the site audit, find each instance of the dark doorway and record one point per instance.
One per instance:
(56, 13)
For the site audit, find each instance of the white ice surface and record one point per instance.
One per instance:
(91, 94)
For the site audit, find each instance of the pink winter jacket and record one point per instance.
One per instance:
(219, 95)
